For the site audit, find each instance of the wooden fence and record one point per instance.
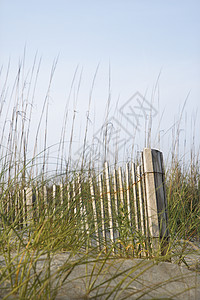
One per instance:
(119, 209)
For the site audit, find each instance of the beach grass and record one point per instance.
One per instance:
(29, 247)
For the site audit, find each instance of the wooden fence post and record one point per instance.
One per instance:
(152, 160)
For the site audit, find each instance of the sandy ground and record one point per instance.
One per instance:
(142, 279)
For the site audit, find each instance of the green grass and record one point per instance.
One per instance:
(29, 246)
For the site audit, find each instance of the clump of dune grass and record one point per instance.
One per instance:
(30, 245)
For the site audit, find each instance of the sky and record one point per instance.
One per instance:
(149, 48)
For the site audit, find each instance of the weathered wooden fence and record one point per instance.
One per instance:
(118, 209)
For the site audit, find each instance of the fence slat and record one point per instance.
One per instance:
(128, 195)
(45, 200)
(145, 211)
(134, 183)
(73, 202)
(94, 213)
(29, 204)
(141, 200)
(115, 197)
(102, 209)
(61, 200)
(110, 215)
(121, 187)
(84, 224)
(54, 199)
(68, 196)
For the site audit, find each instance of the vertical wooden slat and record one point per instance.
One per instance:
(134, 183)
(29, 204)
(128, 195)
(94, 213)
(141, 209)
(10, 209)
(24, 206)
(38, 206)
(20, 207)
(141, 200)
(143, 179)
(115, 195)
(121, 197)
(121, 186)
(110, 216)
(73, 202)
(68, 196)
(83, 222)
(61, 201)
(116, 204)
(45, 200)
(40, 203)
(16, 206)
(54, 199)
(102, 209)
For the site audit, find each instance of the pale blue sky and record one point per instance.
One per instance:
(137, 38)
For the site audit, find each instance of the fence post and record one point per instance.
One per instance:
(152, 160)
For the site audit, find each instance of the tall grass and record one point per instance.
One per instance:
(29, 246)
